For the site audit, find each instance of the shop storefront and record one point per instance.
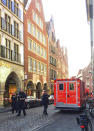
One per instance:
(11, 80)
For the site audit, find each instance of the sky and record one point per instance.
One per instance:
(72, 29)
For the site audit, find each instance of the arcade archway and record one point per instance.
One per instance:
(38, 90)
(30, 88)
(45, 86)
(12, 85)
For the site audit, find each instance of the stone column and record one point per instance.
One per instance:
(2, 90)
(35, 90)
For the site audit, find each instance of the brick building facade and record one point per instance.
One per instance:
(52, 54)
(86, 76)
(57, 60)
(62, 62)
(36, 49)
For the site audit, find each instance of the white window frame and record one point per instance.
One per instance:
(29, 27)
(41, 51)
(42, 68)
(34, 31)
(30, 44)
(38, 49)
(34, 16)
(34, 65)
(45, 54)
(30, 64)
(39, 65)
(45, 69)
(34, 47)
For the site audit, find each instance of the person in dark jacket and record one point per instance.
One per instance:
(13, 102)
(45, 102)
(21, 103)
(17, 102)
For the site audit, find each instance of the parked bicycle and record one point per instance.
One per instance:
(91, 107)
(84, 121)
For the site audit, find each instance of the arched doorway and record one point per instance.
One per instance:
(45, 86)
(12, 85)
(38, 90)
(30, 88)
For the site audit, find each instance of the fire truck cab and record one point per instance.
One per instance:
(69, 94)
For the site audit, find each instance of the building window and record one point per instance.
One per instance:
(41, 24)
(38, 20)
(42, 68)
(8, 49)
(16, 8)
(38, 66)
(38, 35)
(41, 37)
(34, 31)
(16, 51)
(38, 49)
(45, 69)
(55, 62)
(41, 51)
(34, 66)
(9, 4)
(8, 24)
(29, 44)
(13, 6)
(45, 54)
(29, 27)
(44, 40)
(30, 65)
(4, 2)
(34, 47)
(54, 74)
(51, 73)
(51, 59)
(16, 29)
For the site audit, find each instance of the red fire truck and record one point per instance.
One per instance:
(69, 94)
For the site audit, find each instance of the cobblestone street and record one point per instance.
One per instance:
(33, 121)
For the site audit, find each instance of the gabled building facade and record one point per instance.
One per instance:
(62, 62)
(11, 48)
(86, 75)
(36, 48)
(52, 49)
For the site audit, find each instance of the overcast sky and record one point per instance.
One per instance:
(73, 30)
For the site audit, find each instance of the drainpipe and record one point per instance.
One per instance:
(91, 38)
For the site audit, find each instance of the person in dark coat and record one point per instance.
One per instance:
(13, 102)
(17, 102)
(21, 103)
(45, 102)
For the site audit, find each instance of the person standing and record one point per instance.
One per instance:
(45, 101)
(21, 103)
(17, 102)
(13, 102)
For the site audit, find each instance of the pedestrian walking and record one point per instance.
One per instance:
(21, 103)
(45, 101)
(13, 102)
